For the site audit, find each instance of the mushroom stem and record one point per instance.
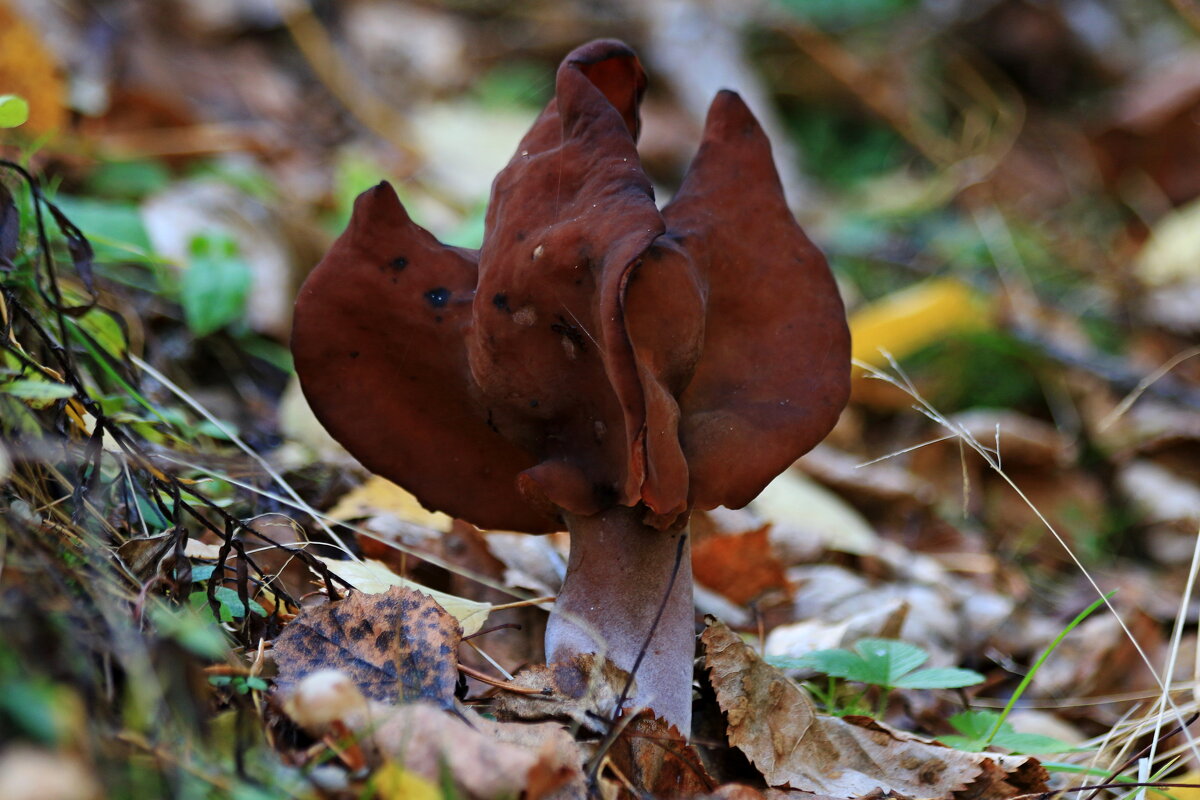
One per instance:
(618, 575)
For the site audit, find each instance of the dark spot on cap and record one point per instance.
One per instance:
(438, 297)
(533, 403)
(564, 328)
(384, 640)
(605, 494)
(500, 301)
(521, 236)
(354, 354)
(399, 262)
(438, 318)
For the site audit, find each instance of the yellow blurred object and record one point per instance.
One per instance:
(1182, 792)
(381, 496)
(1171, 255)
(903, 322)
(29, 70)
(394, 782)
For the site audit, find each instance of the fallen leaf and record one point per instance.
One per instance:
(807, 519)
(584, 690)
(530, 562)
(800, 638)
(380, 496)
(394, 782)
(774, 722)
(35, 773)
(905, 321)
(1160, 495)
(881, 483)
(1171, 256)
(475, 754)
(400, 645)
(658, 760)
(741, 567)
(375, 577)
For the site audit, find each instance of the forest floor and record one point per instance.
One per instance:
(981, 584)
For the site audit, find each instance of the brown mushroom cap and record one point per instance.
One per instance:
(595, 351)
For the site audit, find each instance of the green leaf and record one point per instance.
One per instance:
(1029, 742)
(14, 110)
(202, 572)
(229, 600)
(38, 390)
(835, 663)
(974, 724)
(190, 630)
(939, 678)
(980, 729)
(102, 326)
(215, 284)
(887, 660)
(968, 744)
(114, 227)
(128, 180)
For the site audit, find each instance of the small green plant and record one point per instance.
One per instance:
(229, 605)
(242, 684)
(884, 663)
(215, 284)
(982, 729)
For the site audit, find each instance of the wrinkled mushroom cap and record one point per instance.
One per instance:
(596, 351)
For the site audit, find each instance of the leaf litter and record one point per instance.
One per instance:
(916, 546)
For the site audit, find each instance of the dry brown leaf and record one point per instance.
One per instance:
(657, 759)
(735, 791)
(774, 722)
(400, 645)
(1098, 658)
(799, 638)
(741, 566)
(881, 482)
(479, 754)
(581, 690)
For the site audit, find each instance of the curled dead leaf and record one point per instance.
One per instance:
(658, 760)
(774, 722)
(584, 690)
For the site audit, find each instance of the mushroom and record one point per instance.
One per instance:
(598, 363)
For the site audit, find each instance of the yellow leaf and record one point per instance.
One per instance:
(1184, 792)
(1172, 253)
(27, 69)
(394, 782)
(374, 577)
(903, 322)
(381, 496)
